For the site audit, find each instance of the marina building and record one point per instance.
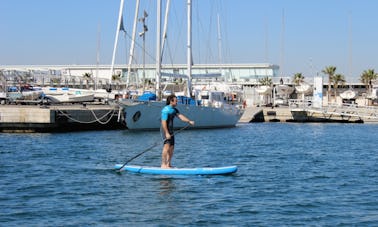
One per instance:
(74, 74)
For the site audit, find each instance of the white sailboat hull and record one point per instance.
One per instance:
(147, 116)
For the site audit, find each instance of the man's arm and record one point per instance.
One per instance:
(185, 119)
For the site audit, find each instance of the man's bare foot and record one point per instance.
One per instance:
(165, 167)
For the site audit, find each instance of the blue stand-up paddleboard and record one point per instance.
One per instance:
(178, 171)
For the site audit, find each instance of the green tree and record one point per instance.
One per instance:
(116, 77)
(367, 77)
(55, 80)
(336, 80)
(330, 71)
(266, 81)
(298, 78)
(87, 77)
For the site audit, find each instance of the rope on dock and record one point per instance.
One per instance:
(99, 120)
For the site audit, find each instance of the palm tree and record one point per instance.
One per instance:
(298, 78)
(87, 77)
(330, 71)
(367, 77)
(116, 77)
(336, 80)
(266, 81)
(55, 80)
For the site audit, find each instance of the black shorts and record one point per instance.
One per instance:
(170, 141)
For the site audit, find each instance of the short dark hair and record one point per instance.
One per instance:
(170, 98)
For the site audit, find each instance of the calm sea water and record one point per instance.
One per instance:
(289, 174)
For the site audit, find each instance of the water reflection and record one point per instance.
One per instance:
(167, 186)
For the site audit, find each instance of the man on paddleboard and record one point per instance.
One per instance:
(168, 113)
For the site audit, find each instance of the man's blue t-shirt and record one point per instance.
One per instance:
(168, 113)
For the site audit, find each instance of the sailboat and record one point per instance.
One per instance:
(214, 113)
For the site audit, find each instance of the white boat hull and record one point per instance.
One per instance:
(349, 94)
(70, 98)
(303, 88)
(147, 116)
(284, 89)
(264, 90)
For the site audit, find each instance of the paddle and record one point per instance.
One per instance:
(154, 145)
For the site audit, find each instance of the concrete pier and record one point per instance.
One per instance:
(64, 118)
(266, 114)
(286, 114)
(29, 118)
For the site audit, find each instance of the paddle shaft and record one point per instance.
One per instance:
(154, 145)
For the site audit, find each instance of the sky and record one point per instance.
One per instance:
(301, 36)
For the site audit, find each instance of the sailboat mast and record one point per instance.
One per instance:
(165, 27)
(219, 45)
(282, 44)
(131, 54)
(189, 47)
(158, 49)
(116, 40)
(98, 54)
(350, 46)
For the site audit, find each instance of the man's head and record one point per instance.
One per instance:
(172, 100)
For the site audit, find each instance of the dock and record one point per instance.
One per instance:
(56, 118)
(91, 116)
(266, 114)
(306, 113)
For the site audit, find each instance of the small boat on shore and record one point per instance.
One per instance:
(284, 89)
(349, 94)
(24, 92)
(303, 88)
(66, 95)
(264, 90)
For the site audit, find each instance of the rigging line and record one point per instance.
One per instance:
(178, 19)
(141, 47)
(169, 52)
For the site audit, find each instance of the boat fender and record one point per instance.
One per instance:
(136, 116)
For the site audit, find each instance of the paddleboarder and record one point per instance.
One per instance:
(168, 113)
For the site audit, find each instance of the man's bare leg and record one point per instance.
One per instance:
(170, 151)
(165, 156)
